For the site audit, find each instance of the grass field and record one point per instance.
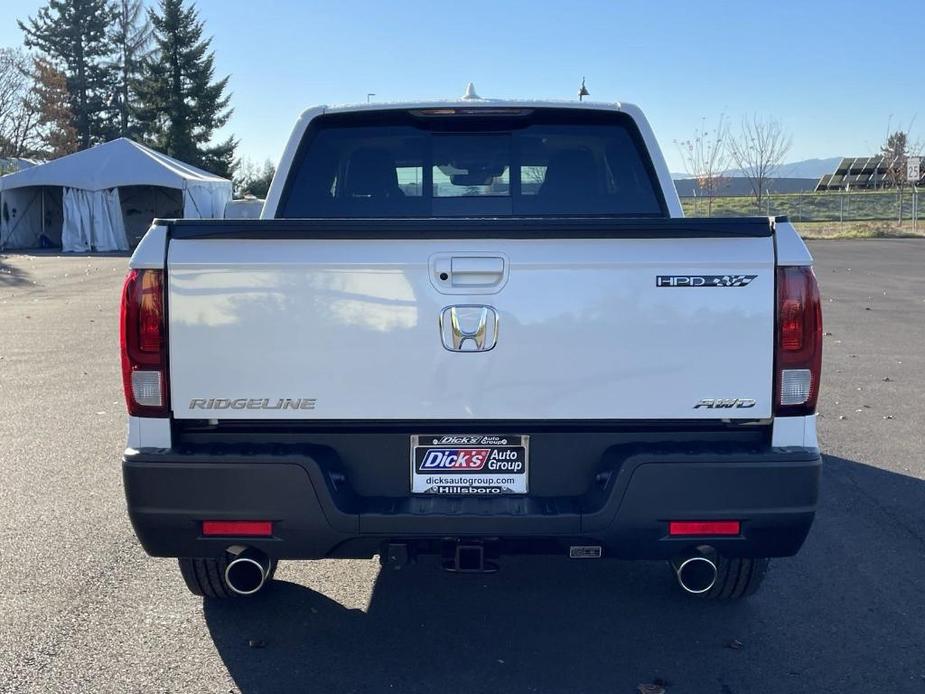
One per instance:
(860, 230)
(872, 214)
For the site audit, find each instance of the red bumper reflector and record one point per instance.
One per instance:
(726, 527)
(238, 528)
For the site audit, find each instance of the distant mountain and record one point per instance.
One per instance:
(733, 185)
(807, 168)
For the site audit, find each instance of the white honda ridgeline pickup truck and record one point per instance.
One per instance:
(471, 329)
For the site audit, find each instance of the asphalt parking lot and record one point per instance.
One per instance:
(82, 608)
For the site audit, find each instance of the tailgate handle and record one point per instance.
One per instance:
(476, 271)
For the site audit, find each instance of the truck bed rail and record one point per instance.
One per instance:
(472, 228)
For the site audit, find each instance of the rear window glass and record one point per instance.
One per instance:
(541, 163)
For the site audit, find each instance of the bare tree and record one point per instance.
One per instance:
(758, 150)
(534, 175)
(35, 119)
(896, 152)
(19, 121)
(706, 158)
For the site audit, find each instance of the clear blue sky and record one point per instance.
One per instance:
(832, 71)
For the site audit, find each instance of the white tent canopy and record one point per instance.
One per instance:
(79, 196)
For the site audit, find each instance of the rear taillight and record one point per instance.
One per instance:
(143, 335)
(798, 349)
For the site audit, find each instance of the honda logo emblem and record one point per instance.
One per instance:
(470, 328)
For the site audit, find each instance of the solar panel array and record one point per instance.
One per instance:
(856, 172)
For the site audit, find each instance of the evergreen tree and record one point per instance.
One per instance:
(74, 38)
(181, 105)
(132, 39)
(253, 180)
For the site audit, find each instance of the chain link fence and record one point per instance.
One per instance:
(887, 206)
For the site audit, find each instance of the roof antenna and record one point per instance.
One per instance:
(470, 93)
(583, 90)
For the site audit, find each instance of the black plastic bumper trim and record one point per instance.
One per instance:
(773, 493)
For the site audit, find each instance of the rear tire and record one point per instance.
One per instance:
(206, 576)
(737, 578)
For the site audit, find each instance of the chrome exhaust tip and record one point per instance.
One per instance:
(696, 574)
(247, 572)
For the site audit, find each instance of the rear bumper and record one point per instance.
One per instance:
(316, 513)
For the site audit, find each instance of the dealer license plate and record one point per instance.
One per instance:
(469, 464)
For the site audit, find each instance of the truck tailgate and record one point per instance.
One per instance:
(575, 328)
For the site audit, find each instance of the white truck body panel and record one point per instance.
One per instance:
(585, 333)
(790, 247)
(151, 251)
